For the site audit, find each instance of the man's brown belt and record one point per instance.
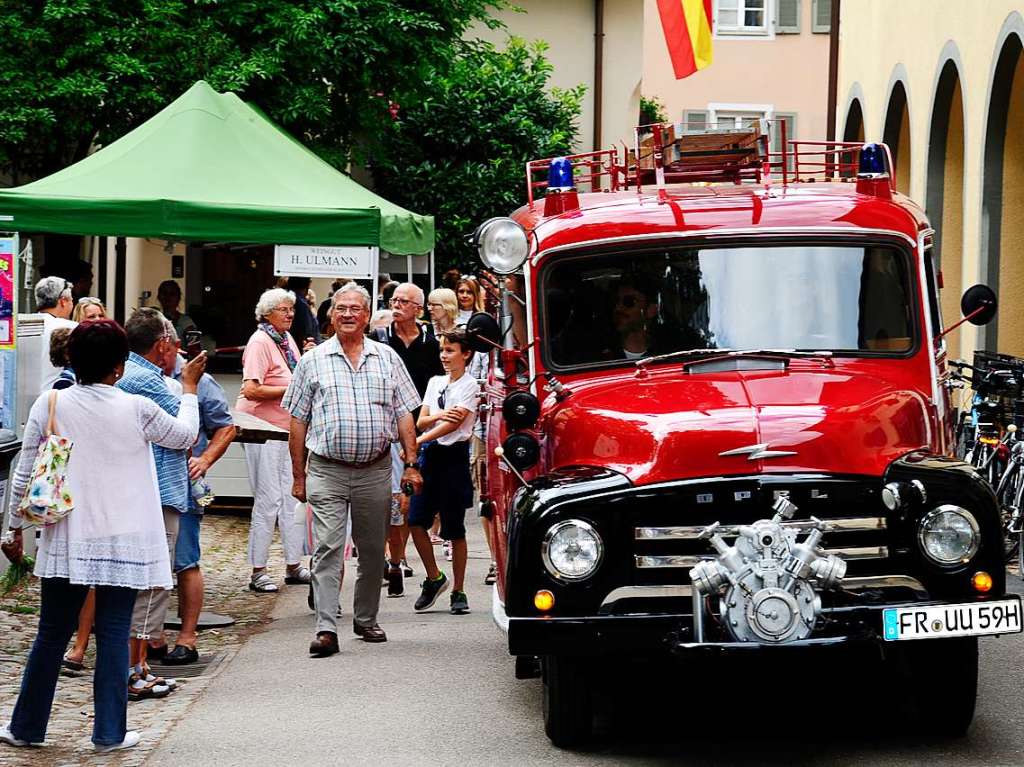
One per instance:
(360, 464)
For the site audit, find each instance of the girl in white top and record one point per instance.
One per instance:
(113, 539)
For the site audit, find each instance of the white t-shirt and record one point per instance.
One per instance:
(463, 394)
(47, 372)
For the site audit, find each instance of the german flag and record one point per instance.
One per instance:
(687, 27)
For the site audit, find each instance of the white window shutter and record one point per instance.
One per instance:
(695, 120)
(787, 17)
(821, 21)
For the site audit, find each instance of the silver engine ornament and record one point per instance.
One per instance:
(765, 579)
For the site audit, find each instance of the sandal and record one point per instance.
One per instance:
(262, 583)
(300, 576)
(139, 688)
(73, 665)
(170, 684)
(436, 540)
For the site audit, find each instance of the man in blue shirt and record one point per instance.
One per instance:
(216, 432)
(143, 374)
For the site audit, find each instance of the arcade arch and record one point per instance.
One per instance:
(896, 134)
(945, 195)
(854, 128)
(1003, 197)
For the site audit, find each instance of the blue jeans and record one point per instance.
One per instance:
(58, 617)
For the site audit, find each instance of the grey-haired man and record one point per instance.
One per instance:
(54, 302)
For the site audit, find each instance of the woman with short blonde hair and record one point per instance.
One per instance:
(443, 308)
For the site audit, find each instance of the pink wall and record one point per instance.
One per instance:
(789, 72)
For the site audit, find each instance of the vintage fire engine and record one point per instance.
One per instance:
(718, 419)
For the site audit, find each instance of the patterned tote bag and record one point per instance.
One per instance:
(47, 499)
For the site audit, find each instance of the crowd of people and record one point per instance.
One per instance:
(380, 402)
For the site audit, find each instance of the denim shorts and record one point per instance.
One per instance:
(447, 489)
(186, 550)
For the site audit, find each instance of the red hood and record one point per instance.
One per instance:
(675, 426)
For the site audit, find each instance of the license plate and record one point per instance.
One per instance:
(936, 621)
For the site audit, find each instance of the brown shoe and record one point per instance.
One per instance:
(372, 633)
(326, 643)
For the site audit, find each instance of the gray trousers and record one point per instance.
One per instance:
(334, 491)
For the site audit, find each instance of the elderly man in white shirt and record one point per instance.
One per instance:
(54, 302)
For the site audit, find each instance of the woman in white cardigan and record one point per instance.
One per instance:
(114, 537)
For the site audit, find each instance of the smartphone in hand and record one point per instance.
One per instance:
(193, 343)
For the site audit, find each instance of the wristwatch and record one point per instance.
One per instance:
(408, 465)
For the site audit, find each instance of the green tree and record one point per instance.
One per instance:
(78, 72)
(459, 153)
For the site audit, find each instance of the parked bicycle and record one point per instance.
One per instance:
(989, 438)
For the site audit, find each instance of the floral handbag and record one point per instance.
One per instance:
(47, 499)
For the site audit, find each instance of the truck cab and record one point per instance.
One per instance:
(718, 421)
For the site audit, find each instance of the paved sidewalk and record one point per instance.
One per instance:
(224, 542)
(440, 691)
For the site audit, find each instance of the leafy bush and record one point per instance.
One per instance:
(459, 154)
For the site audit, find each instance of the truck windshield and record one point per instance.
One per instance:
(627, 306)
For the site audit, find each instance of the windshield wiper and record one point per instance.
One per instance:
(681, 353)
(824, 356)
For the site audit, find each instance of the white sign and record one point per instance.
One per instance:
(358, 262)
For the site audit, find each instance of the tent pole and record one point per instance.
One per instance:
(430, 269)
(375, 272)
(120, 277)
(408, 268)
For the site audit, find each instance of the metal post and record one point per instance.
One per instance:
(698, 614)
(430, 268)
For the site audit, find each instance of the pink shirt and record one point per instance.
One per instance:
(264, 362)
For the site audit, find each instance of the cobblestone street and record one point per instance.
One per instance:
(224, 542)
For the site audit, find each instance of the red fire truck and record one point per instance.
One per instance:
(718, 420)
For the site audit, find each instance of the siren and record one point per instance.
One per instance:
(560, 174)
(873, 174)
(872, 161)
(561, 195)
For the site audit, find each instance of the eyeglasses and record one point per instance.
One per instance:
(403, 302)
(284, 309)
(431, 306)
(348, 311)
(440, 397)
(92, 300)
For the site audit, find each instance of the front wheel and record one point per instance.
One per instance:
(941, 677)
(568, 701)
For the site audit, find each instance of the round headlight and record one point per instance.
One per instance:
(948, 535)
(502, 244)
(572, 550)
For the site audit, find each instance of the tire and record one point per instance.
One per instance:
(941, 678)
(568, 701)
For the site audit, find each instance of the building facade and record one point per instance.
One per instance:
(770, 62)
(949, 101)
(596, 43)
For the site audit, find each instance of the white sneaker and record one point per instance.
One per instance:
(131, 738)
(10, 740)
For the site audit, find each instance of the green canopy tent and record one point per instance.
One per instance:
(210, 167)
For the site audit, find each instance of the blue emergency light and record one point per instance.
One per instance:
(872, 161)
(560, 174)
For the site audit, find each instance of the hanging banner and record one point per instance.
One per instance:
(357, 262)
(8, 289)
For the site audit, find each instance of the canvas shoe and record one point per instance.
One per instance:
(131, 738)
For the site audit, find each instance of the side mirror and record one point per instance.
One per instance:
(978, 307)
(979, 304)
(483, 332)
